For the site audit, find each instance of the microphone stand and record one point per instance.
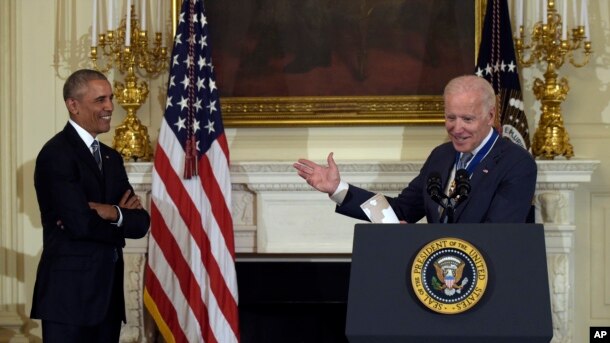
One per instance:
(449, 207)
(448, 210)
(462, 189)
(448, 203)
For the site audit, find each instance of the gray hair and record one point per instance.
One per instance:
(77, 82)
(472, 83)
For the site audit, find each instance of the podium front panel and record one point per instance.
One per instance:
(515, 306)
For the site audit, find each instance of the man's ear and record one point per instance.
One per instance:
(492, 114)
(72, 105)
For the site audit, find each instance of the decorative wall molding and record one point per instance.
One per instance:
(599, 255)
(275, 211)
(11, 314)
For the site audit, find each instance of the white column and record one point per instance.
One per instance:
(11, 296)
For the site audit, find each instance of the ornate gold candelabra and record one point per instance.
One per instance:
(550, 45)
(131, 138)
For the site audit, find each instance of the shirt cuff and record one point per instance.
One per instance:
(119, 222)
(339, 195)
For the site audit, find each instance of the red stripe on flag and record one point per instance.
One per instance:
(188, 283)
(222, 141)
(192, 218)
(164, 305)
(221, 212)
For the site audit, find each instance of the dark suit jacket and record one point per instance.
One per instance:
(77, 267)
(502, 188)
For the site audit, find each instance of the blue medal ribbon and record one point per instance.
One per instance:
(476, 159)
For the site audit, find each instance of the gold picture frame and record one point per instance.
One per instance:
(344, 110)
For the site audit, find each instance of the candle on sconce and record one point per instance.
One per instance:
(519, 15)
(585, 18)
(564, 20)
(535, 10)
(158, 23)
(94, 25)
(544, 16)
(128, 24)
(162, 21)
(110, 14)
(143, 10)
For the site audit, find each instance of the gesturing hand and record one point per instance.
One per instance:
(323, 178)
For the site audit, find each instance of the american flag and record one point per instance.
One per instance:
(497, 63)
(190, 279)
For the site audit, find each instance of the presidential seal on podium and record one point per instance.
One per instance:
(449, 275)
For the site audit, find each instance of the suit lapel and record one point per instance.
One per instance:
(485, 168)
(82, 151)
(108, 163)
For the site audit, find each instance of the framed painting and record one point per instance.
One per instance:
(339, 62)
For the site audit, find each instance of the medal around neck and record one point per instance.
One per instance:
(449, 275)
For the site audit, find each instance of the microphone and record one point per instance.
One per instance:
(462, 184)
(434, 187)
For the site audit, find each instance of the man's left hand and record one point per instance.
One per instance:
(107, 212)
(130, 201)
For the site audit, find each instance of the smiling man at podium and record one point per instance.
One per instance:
(499, 176)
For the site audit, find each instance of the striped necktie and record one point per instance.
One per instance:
(95, 150)
(463, 162)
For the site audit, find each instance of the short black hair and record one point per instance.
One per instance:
(78, 80)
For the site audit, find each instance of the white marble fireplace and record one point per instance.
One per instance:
(274, 211)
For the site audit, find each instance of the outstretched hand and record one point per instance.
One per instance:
(323, 178)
